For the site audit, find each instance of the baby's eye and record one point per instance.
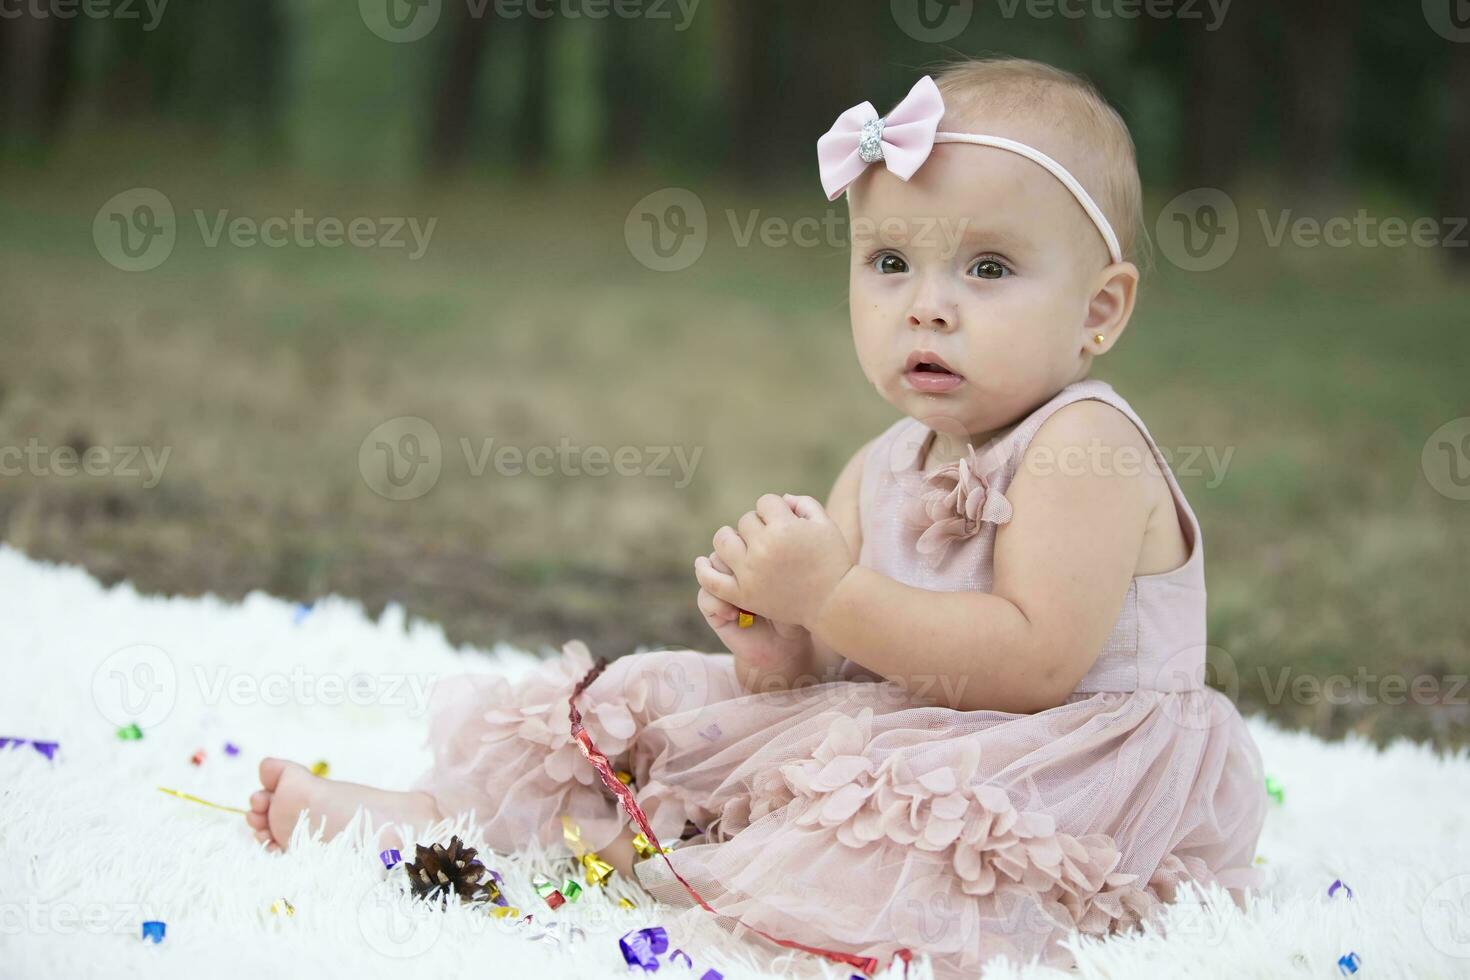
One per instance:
(989, 269)
(887, 263)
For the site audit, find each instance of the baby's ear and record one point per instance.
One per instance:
(1111, 306)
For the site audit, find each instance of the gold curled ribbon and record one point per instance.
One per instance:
(194, 799)
(647, 850)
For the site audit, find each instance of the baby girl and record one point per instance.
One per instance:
(967, 713)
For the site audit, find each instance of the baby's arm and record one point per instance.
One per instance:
(842, 507)
(777, 656)
(1062, 567)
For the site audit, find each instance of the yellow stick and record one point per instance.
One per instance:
(195, 799)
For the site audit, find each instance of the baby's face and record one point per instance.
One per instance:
(983, 260)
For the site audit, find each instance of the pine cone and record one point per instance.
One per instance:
(440, 870)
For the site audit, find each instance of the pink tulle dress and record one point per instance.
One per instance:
(845, 815)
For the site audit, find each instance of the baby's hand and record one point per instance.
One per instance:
(764, 645)
(785, 559)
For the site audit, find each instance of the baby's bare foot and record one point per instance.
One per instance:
(288, 788)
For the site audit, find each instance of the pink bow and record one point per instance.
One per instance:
(902, 139)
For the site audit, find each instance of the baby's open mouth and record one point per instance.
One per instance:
(926, 371)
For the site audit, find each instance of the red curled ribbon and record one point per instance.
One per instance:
(867, 964)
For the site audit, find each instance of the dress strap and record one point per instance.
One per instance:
(1017, 442)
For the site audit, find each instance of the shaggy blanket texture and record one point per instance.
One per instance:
(90, 849)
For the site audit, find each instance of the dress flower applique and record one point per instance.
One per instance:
(998, 852)
(954, 501)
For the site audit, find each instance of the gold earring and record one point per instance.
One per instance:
(1099, 337)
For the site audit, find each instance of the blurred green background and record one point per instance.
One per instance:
(542, 141)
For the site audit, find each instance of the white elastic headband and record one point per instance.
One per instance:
(1057, 170)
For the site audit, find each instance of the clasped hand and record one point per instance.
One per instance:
(782, 560)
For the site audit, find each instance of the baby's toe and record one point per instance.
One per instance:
(260, 800)
(257, 820)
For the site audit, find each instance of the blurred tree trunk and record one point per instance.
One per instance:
(1221, 98)
(1456, 191)
(1321, 65)
(776, 96)
(743, 68)
(454, 100)
(34, 74)
(532, 129)
(622, 92)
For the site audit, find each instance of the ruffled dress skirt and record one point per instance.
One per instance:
(846, 816)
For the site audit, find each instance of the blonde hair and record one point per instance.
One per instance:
(1105, 161)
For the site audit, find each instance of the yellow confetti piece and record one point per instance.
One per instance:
(320, 768)
(624, 903)
(572, 833)
(194, 799)
(282, 907)
(745, 619)
(598, 870)
(645, 848)
(505, 911)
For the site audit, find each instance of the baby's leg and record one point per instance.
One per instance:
(287, 788)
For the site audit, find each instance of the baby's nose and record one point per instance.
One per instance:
(931, 318)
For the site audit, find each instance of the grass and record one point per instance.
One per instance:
(528, 321)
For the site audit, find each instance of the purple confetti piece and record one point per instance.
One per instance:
(390, 857)
(711, 731)
(642, 946)
(717, 975)
(154, 930)
(678, 953)
(231, 748)
(1332, 890)
(48, 749)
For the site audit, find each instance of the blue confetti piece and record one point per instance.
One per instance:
(154, 930)
(299, 616)
(1349, 964)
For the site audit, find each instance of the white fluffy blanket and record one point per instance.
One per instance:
(90, 849)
